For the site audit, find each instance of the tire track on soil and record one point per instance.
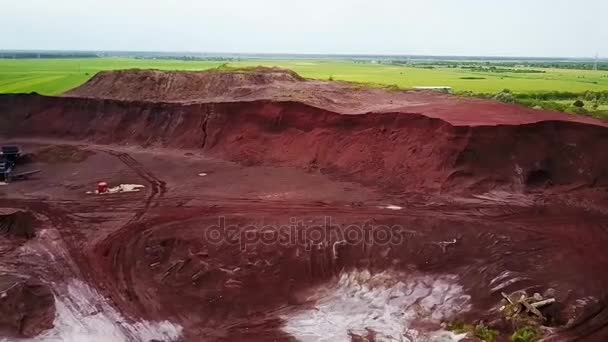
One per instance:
(123, 278)
(158, 186)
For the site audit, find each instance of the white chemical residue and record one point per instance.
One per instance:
(83, 315)
(122, 188)
(388, 304)
(392, 207)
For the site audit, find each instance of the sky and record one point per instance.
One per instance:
(534, 28)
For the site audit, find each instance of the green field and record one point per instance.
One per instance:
(55, 76)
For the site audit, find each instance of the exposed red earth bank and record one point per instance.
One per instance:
(276, 208)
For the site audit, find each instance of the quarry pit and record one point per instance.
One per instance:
(275, 208)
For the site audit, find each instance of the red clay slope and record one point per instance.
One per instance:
(400, 141)
(395, 151)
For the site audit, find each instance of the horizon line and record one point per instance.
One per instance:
(303, 54)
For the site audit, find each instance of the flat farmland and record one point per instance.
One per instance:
(56, 76)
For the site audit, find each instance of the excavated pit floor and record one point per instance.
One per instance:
(265, 253)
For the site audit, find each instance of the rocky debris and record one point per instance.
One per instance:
(369, 336)
(525, 306)
(18, 225)
(27, 306)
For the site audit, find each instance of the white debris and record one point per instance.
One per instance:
(388, 304)
(83, 315)
(126, 188)
(392, 207)
(3, 183)
(202, 174)
(119, 189)
(504, 197)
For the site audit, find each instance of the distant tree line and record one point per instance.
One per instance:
(601, 96)
(46, 55)
(570, 65)
(500, 70)
(501, 66)
(76, 54)
(192, 58)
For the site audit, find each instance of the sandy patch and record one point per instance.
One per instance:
(391, 305)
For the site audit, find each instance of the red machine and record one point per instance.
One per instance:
(102, 187)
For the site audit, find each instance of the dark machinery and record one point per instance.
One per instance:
(6, 169)
(9, 156)
(10, 152)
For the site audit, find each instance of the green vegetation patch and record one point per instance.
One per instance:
(526, 334)
(480, 331)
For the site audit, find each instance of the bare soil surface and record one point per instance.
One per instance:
(267, 219)
(284, 86)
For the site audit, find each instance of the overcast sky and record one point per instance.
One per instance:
(430, 27)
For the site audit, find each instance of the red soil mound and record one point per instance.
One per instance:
(176, 85)
(57, 154)
(18, 225)
(278, 85)
(27, 306)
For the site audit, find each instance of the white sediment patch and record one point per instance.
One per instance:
(3, 183)
(392, 207)
(126, 188)
(83, 315)
(396, 307)
(202, 174)
(505, 197)
(120, 189)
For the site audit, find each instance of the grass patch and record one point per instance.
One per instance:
(480, 331)
(593, 104)
(525, 334)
